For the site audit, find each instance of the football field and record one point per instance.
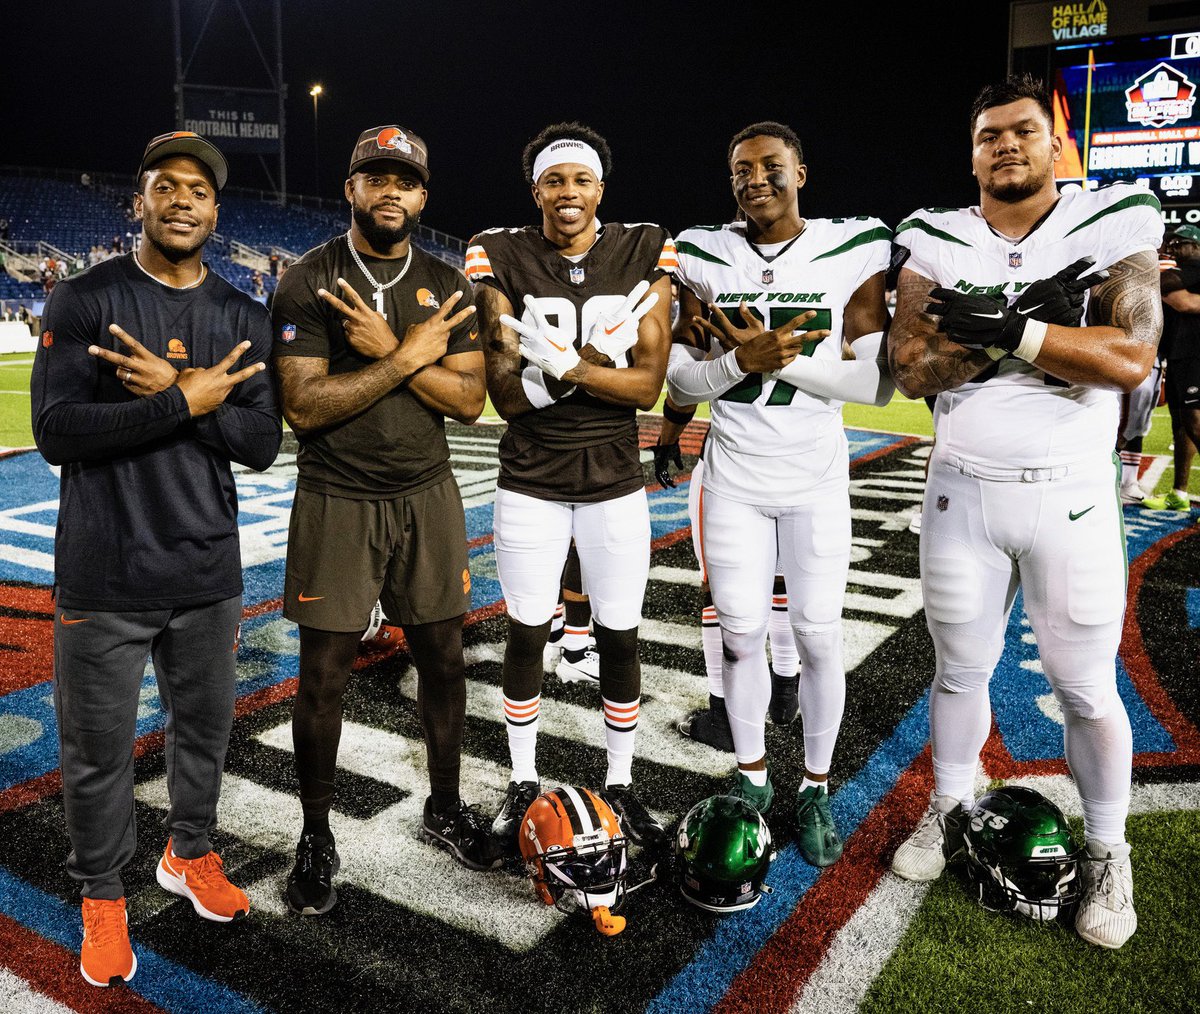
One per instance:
(414, 931)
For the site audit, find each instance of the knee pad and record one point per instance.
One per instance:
(522, 672)
(739, 646)
(956, 679)
(1090, 701)
(620, 669)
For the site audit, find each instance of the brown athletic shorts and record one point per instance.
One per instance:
(410, 553)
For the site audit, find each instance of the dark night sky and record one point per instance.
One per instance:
(880, 103)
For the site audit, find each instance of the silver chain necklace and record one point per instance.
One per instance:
(190, 285)
(379, 289)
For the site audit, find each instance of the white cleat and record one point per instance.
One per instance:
(583, 670)
(938, 836)
(1106, 917)
(1132, 493)
(550, 654)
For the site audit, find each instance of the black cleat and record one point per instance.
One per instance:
(310, 889)
(517, 799)
(709, 726)
(785, 699)
(464, 832)
(636, 821)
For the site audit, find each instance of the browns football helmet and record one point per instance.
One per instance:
(576, 854)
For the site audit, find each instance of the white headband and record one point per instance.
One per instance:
(564, 150)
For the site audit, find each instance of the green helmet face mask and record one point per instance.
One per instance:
(1020, 854)
(722, 854)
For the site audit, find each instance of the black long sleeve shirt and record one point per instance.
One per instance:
(147, 514)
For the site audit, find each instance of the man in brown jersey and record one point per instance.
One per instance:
(375, 344)
(589, 349)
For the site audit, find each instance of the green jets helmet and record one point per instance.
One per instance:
(1020, 854)
(722, 854)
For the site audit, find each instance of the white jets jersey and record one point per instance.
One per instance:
(769, 443)
(1016, 416)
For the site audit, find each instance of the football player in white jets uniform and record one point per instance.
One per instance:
(1022, 487)
(776, 469)
(574, 318)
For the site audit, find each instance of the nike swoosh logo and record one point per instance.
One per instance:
(70, 623)
(1075, 517)
(561, 348)
(474, 335)
(1026, 313)
(990, 316)
(615, 329)
(309, 598)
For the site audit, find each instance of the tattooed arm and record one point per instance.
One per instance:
(502, 354)
(924, 361)
(1116, 348)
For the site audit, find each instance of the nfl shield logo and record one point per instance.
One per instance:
(943, 502)
(768, 276)
(576, 274)
(288, 334)
(1014, 258)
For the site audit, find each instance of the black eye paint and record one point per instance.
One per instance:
(778, 180)
(740, 183)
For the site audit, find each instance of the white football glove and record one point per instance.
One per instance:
(616, 333)
(544, 345)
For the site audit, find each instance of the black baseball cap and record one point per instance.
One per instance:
(391, 143)
(185, 142)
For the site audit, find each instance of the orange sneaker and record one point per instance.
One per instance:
(203, 882)
(106, 956)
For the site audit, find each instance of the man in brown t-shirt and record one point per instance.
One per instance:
(375, 343)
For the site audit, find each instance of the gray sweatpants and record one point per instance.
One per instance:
(99, 663)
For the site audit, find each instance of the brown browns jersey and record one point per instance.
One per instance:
(579, 449)
(397, 445)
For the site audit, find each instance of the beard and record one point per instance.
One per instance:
(383, 237)
(1016, 191)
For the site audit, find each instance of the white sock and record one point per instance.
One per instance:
(521, 722)
(620, 728)
(808, 783)
(758, 778)
(710, 641)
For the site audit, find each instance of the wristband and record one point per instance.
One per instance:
(533, 383)
(673, 415)
(1031, 340)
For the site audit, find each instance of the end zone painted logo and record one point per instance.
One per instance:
(1161, 96)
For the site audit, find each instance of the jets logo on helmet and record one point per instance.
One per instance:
(1020, 854)
(722, 854)
(575, 854)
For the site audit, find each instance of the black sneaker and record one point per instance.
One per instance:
(709, 726)
(785, 699)
(310, 889)
(636, 821)
(517, 799)
(463, 831)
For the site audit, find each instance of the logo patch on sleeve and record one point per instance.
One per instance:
(47, 339)
(288, 334)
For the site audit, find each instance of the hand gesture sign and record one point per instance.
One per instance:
(141, 372)
(426, 342)
(616, 333)
(725, 331)
(543, 344)
(770, 350)
(1059, 298)
(366, 330)
(205, 390)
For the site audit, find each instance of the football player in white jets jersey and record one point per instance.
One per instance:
(1023, 487)
(776, 470)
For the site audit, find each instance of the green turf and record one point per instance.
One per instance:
(958, 957)
(901, 416)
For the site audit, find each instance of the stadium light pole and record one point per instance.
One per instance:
(316, 91)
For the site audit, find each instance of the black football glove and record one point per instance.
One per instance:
(1059, 298)
(976, 321)
(666, 455)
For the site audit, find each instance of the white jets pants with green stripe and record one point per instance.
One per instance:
(1058, 534)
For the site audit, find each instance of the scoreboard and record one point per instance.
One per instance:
(1126, 93)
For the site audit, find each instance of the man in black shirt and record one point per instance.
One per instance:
(375, 345)
(133, 396)
(1180, 350)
